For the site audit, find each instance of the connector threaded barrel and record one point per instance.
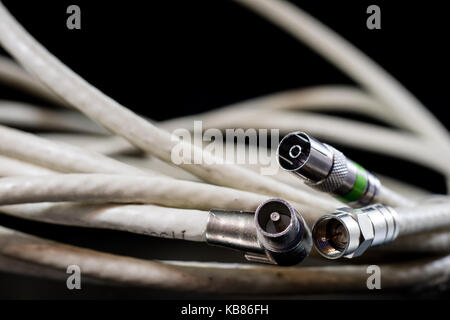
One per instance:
(350, 232)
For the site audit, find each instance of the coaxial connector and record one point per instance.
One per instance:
(275, 233)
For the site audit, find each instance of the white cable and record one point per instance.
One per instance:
(171, 223)
(219, 278)
(258, 279)
(164, 168)
(423, 218)
(163, 222)
(124, 122)
(157, 165)
(319, 98)
(250, 152)
(25, 115)
(388, 196)
(314, 98)
(347, 132)
(356, 134)
(407, 190)
(384, 195)
(12, 74)
(106, 145)
(190, 224)
(426, 242)
(14, 167)
(154, 164)
(404, 189)
(58, 156)
(100, 188)
(353, 62)
(116, 269)
(184, 194)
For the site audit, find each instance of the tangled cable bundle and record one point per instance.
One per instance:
(115, 172)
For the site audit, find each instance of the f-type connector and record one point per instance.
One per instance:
(350, 232)
(326, 169)
(276, 233)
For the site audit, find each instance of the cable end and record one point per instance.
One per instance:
(305, 156)
(350, 232)
(276, 233)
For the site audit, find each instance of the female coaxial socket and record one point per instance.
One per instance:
(326, 169)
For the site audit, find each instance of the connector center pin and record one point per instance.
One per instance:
(275, 216)
(295, 151)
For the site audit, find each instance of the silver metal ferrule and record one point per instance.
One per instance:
(276, 233)
(326, 169)
(350, 232)
(233, 229)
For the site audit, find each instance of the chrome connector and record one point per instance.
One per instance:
(350, 232)
(276, 233)
(326, 169)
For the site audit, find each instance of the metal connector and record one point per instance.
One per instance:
(326, 169)
(350, 232)
(276, 233)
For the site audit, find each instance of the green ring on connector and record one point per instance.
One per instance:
(359, 187)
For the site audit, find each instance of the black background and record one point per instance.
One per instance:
(170, 58)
